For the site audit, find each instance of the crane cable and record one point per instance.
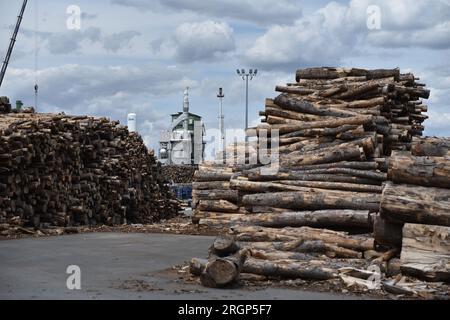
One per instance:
(36, 30)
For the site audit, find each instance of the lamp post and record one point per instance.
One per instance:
(245, 76)
(220, 95)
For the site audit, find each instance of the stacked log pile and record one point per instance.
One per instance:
(5, 105)
(68, 171)
(415, 209)
(311, 218)
(331, 132)
(179, 173)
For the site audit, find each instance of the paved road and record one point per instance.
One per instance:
(113, 266)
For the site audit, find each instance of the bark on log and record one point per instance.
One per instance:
(224, 246)
(424, 171)
(216, 194)
(222, 272)
(210, 185)
(305, 246)
(333, 123)
(332, 219)
(315, 199)
(216, 175)
(336, 155)
(387, 233)
(415, 204)
(290, 269)
(254, 233)
(217, 205)
(301, 106)
(333, 73)
(430, 146)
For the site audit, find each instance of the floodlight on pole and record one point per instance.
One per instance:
(220, 95)
(252, 73)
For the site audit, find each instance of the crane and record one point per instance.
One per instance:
(13, 41)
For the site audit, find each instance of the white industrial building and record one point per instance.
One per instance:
(182, 142)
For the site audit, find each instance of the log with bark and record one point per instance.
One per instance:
(425, 171)
(332, 219)
(342, 239)
(314, 199)
(416, 204)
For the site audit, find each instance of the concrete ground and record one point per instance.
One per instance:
(115, 266)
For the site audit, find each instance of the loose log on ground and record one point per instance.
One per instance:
(290, 269)
(222, 272)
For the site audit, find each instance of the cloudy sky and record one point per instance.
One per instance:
(138, 55)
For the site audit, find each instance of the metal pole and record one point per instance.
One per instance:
(13, 41)
(246, 107)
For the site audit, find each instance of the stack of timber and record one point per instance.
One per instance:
(312, 215)
(77, 170)
(327, 137)
(5, 105)
(415, 209)
(179, 173)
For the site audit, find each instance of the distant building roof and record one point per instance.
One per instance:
(190, 113)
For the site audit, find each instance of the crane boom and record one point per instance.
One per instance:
(13, 41)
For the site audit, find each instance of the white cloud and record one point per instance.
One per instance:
(116, 41)
(339, 30)
(262, 12)
(111, 91)
(197, 41)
